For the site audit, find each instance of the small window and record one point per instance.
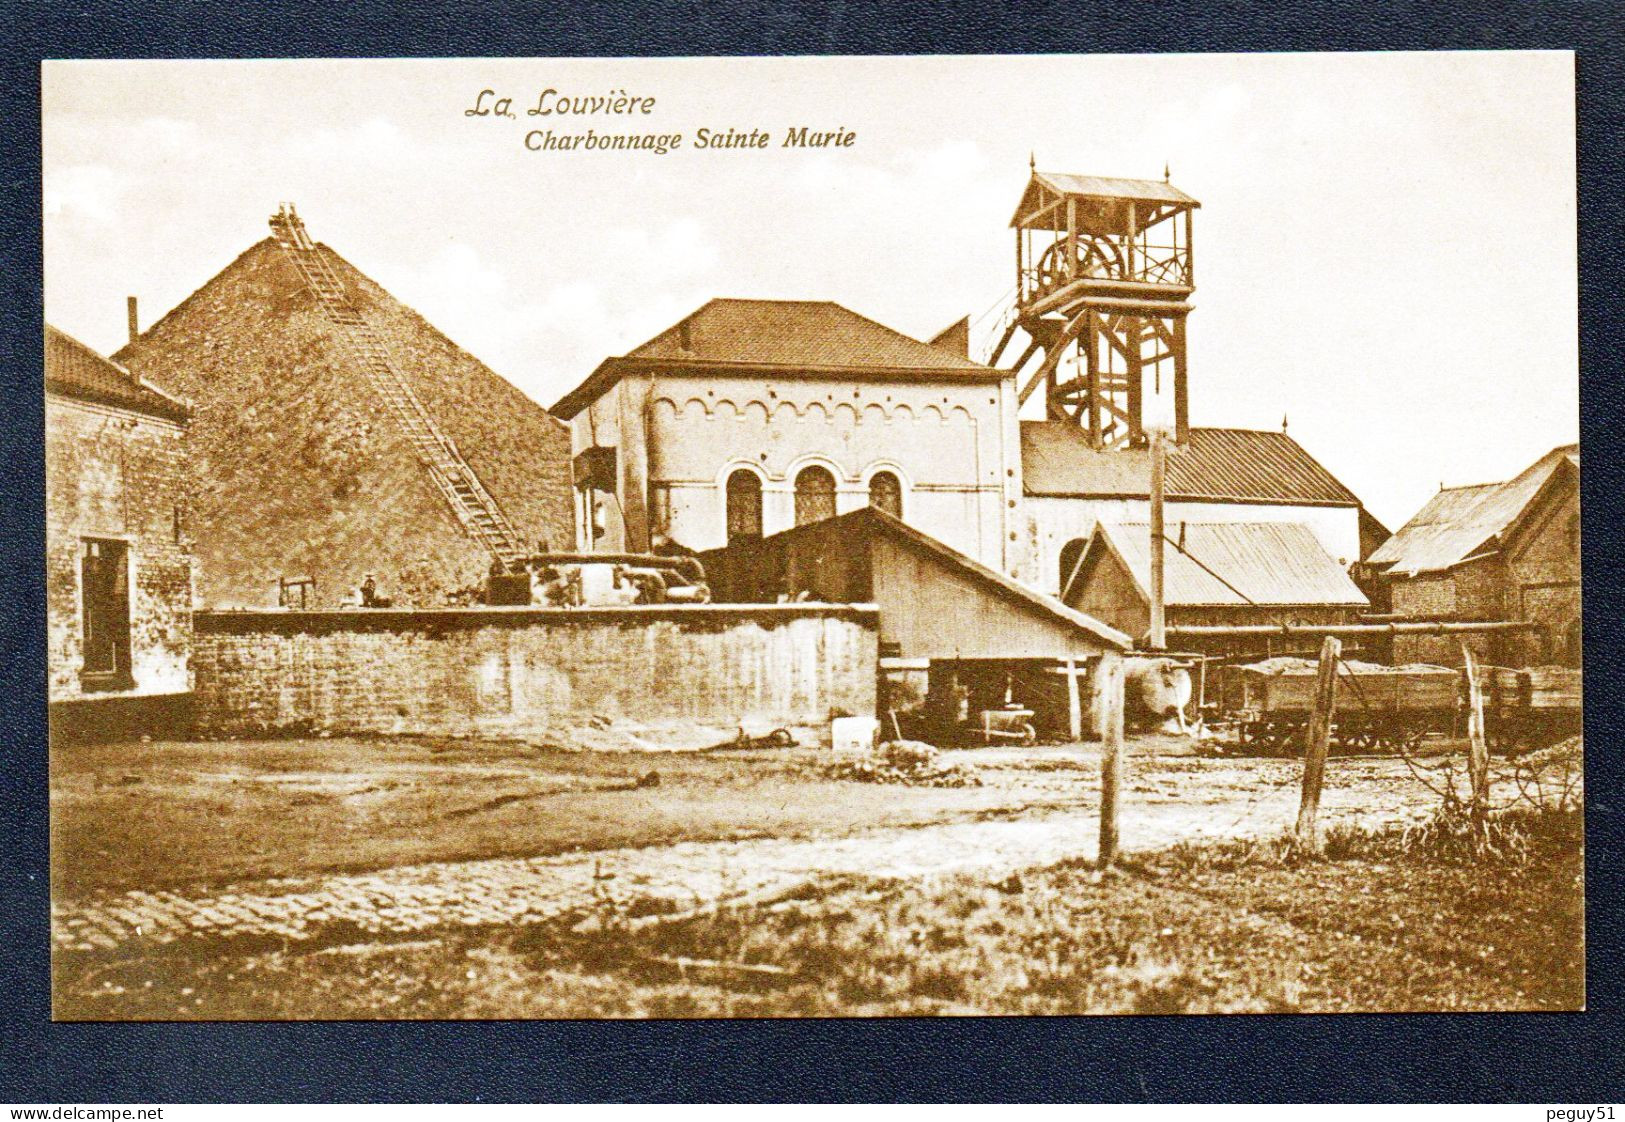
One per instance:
(886, 493)
(105, 614)
(744, 507)
(815, 495)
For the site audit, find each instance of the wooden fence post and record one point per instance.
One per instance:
(1111, 753)
(1317, 741)
(1478, 753)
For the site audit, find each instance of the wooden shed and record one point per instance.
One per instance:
(948, 624)
(1214, 574)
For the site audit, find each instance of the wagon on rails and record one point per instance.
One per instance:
(1531, 707)
(1379, 708)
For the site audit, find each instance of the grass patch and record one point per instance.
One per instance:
(1396, 920)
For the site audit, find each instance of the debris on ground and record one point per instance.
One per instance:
(778, 738)
(912, 763)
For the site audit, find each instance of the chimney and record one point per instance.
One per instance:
(129, 307)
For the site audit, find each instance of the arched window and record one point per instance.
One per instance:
(744, 507)
(815, 495)
(886, 493)
(1070, 553)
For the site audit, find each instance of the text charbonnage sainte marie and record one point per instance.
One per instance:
(569, 108)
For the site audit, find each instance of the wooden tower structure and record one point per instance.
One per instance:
(1103, 280)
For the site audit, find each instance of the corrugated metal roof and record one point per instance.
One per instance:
(1107, 187)
(792, 336)
(1235, 563)
(74, 370)
(1225, 465)
(1462, 522)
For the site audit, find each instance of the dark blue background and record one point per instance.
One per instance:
(1540, 1058)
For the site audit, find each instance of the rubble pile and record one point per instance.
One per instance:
(911, 763)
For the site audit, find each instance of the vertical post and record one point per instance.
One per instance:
(130, 314)
(1111, 753)
(1478, 753)
(1159, 464)
(1091, 358)
(1134, 372)
(1071, 239)
(1074, 702)
(1317, 741)
(1182, 409)
(1021, 275)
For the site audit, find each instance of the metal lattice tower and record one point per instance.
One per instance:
(475, 509)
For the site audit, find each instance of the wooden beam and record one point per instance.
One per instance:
(1478, 753)
(1074, 702)
(1182, 406)
(1110, 707)
(1091, 351)
(1318, 738)
(1071, 238)
(1053, 356)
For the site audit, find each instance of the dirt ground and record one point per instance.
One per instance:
(338, 878)
(173, 815)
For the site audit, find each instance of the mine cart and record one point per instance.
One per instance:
(1388, 708)
(1531, 707)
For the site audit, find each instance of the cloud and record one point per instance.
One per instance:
(85, 192)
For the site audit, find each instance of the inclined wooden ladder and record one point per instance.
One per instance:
(476, 510)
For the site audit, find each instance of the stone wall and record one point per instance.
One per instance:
(117, 475)
(532, 671)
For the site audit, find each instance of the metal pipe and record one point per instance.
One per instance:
(1199, 631)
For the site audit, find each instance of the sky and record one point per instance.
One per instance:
(1385, 254)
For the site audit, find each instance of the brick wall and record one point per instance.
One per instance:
(117, 475)
(1473, 591)
(530, 671)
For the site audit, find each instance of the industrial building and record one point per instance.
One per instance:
(1214, 574)
(118, 562)
(749, 417)
(1491, 551)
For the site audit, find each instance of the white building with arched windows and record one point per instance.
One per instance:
(750, 417)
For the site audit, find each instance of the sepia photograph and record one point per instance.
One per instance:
(880, 536)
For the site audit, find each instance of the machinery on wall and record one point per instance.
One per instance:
(1103, 276)
(598, 580)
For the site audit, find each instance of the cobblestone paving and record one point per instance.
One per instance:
(666, 878)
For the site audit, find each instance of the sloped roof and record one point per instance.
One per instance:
(74, 370)
(299, 468)
(784, 337)
(1275, 564)
(1223, 465)
(1154, 191)
(1008, 587)
(858, 526)
(1459, 523)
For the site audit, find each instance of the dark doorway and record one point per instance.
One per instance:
(105, 592)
